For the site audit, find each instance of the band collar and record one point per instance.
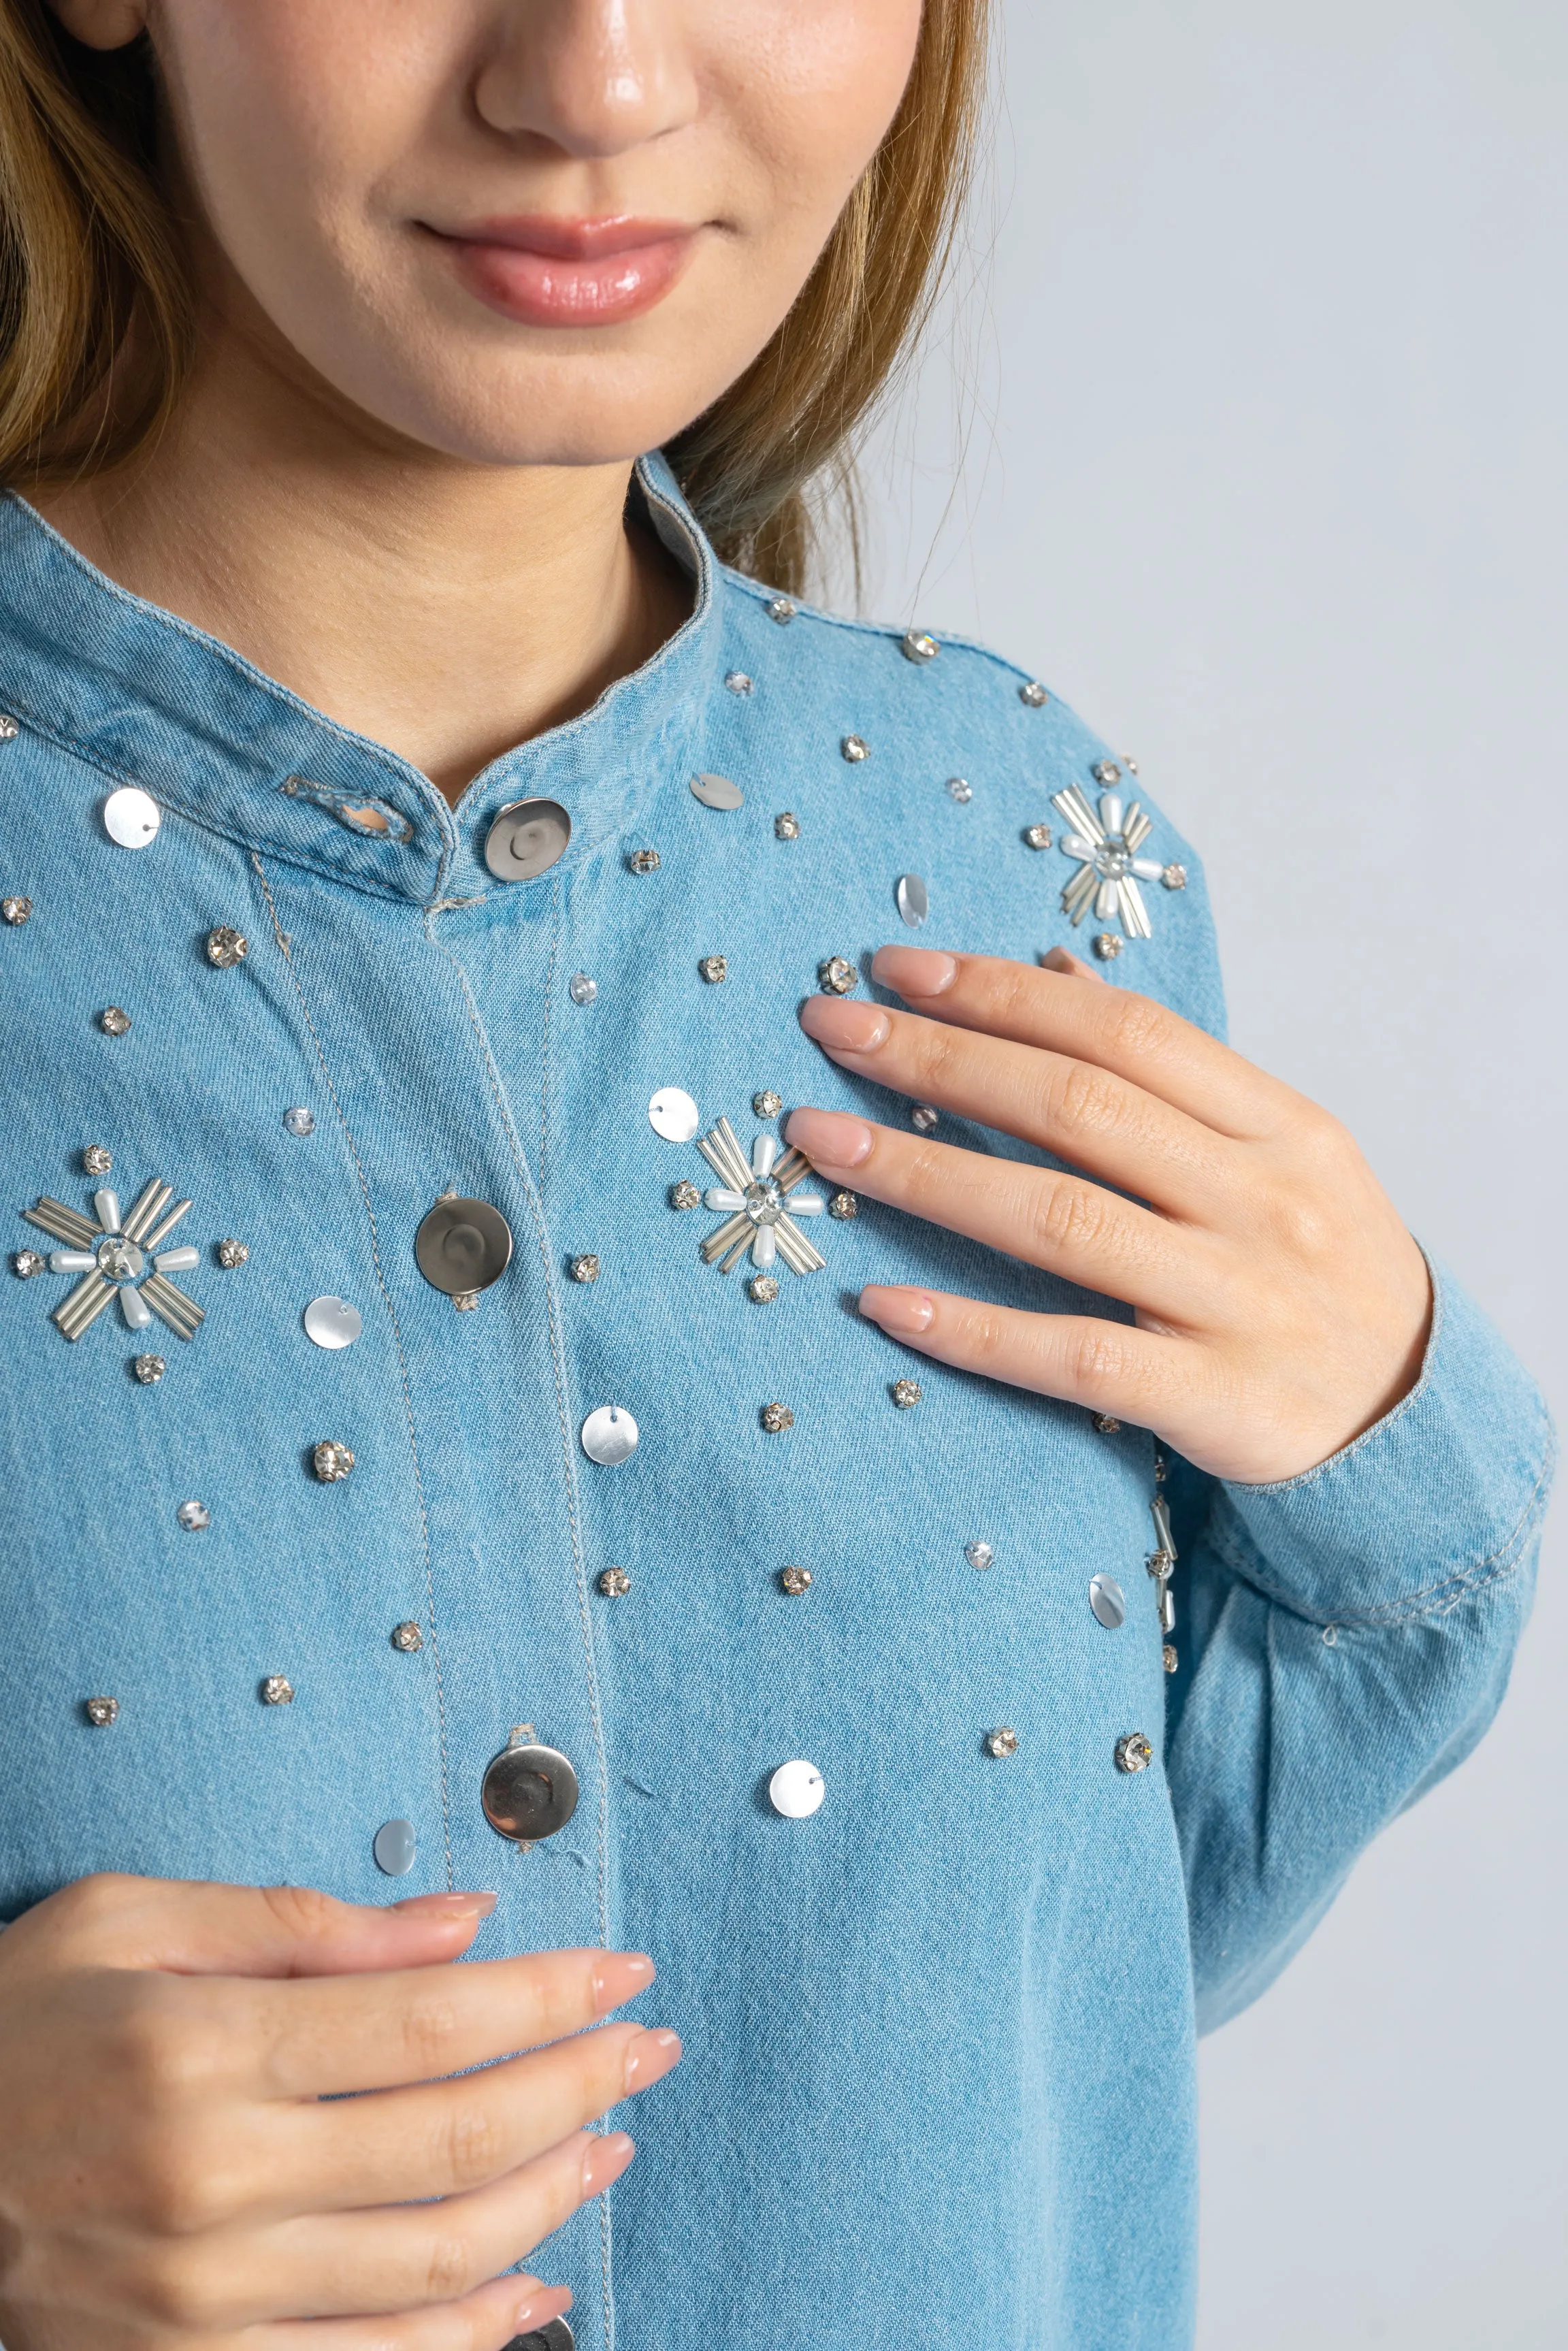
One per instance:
(147, 699)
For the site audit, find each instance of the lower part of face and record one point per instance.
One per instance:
(527, 230)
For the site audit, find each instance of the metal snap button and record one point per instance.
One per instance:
(529, 1790)
(463, 1245)
(525, 839)
(557, 2336)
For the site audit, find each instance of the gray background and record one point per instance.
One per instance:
(1248, 431)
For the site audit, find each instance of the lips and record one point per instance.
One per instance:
(549, 272)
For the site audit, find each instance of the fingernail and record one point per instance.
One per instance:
(605, 2161)
(847, 1027)
(1062, 959)
(830, 1138)
(901, 1313)
(449, 1906)
(914, 971)
(539, 2307)
(651, 2056)
(619, 1975)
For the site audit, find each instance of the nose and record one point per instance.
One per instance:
(589, 77)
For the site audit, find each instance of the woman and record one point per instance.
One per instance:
(423, 858)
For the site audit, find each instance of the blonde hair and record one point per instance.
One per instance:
(91, 250)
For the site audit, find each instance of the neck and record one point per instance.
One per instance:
(447, 610)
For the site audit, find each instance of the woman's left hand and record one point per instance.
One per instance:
(1281, 1307)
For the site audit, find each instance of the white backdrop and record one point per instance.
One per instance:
(1249, 434)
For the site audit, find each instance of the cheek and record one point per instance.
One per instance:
(810, 94)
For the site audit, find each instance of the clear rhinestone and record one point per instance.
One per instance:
(9, 730)
(1175, 876)
(231, 1253)
(585, 1268)
(1131, 765)
(1002, 1742)
(1107, 771)
(407, 1637)
(102, 1711)
(961, 789)
(854, 748)
(149, 1370)
(781, 610)
(905, 1393)
(1033, 696)
(96, 1159)
(113, 1021)
(795, 1579)
(1134, 1753)
(331, 1461)
(838, 975)
(277, 1691)
(924, 1119)
(1168, 1656)
(14, 911)
(919, 645)
(1038, 836)
(1107, 1424)
(979, 1554)
(844, 1204)
(737, 681)
(465, 1300)
(226, 947)
(581, 988)
(766, 1104)
(26, 1263)
(787, 825)
(763, 1287)
(714, 969)
(193, 1517)
(300, 1121)
(615, 1581)
(776, 1418)
(643, 861)
(1107, 946)
(686, 1193)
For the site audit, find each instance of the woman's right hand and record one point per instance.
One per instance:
(178, 2166)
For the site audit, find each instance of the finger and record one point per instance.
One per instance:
(1107, 1366)
(399, 2256)
(1063, 959)
(1075, 1109)
(447, 2138)
(486, 2321)
(1129, 1034)
(1060, 1222)
(376, 2033)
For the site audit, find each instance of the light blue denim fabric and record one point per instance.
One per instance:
(938, 2083)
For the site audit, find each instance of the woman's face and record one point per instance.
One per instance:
(522, 231)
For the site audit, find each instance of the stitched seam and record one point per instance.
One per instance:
(558, 1366)
(287, 953)
(1435, 1599)
(545, 1037)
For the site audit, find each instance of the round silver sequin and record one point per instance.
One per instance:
(193, 1517)
(766, 1102)
(776, 1418)
(797, 1791)
(795, 1579)
(786, 825)
(407, 1637)
(331, 1461)
(1033, 694)
(924, 1118)
(392, 1848)
(26, 1263)
(528, 1791)
(718, 793)
(905, 1393)
(131, 817)
(1134, 1753)
(961, 789)
(149, 1370)
(102, 1711)
(643, 861)
(525, 839)
(844, 1204)
(737, 681)
(463, 1245)
(96, 1159)
(114, 1021)
(232, 1254)
(584, 1267)
(912, 899)
(837, 975)
(300, 1121)
(226, 947)
(854, 748)
(276, 1689)
(1036, 836)
(1174, 876)
(332, 1322)
(763, 1289)
(15, 910)
(684, 1194)
(1107, 946)
(780, 609)
(672, 1113)
(979, 1554)
(1108, 1601)
(1004, 1741)
(608, 1434)
(582, 988)
(614, 1582)
(714, 969)
(920, 645)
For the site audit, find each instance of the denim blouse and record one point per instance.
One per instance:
(299, 1537)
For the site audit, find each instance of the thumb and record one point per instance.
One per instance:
(189, 1927)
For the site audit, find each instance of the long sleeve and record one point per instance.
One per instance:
(1348, 1637)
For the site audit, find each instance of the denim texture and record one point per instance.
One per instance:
(938, 2087)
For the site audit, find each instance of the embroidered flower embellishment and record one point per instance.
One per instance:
(1110, 868)
(118, 1257)
(760, 1205)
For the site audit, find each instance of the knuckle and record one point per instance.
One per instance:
(1137, 1029)
(1099, 1360)
(938, 1054)
(450, 2267)
(472, 2150)
(301, 1910)
(1068, 1218)
(428, 2029)
(1084, 1099)
(185, 2186)
(92, 1903)
(176, 2287)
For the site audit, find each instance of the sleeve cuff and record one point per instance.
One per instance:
(1428, 1505)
